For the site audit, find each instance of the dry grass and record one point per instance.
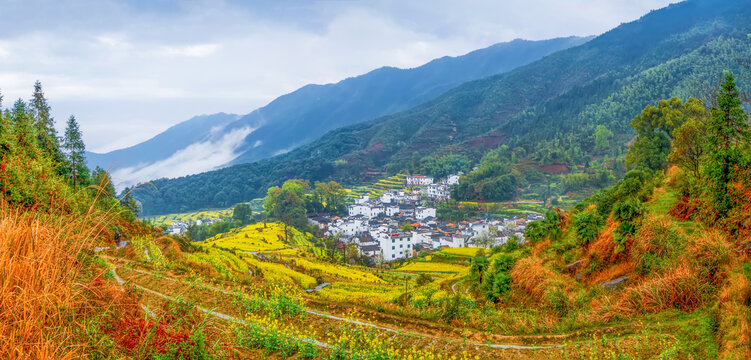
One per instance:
(44, 299)
(680, 288)
(734, 316)
(611, 273)
(603, 249)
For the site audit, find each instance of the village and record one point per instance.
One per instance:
(400, 223)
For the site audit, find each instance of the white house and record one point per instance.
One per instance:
(376, 210)
(419, 180)
(358, 209)
(362, 199)
(388, 197)
(437, 191)
(424, 212)
(452, 179)
(396, 246)
(392, 210)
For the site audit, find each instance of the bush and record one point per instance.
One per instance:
(587, 226)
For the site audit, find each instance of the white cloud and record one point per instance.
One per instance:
(195, 158)
(192, 50)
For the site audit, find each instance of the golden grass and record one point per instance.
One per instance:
(680, 288)
(531, 276)
(46, 287)
(734, 333)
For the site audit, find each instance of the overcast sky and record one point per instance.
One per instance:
(130, 69)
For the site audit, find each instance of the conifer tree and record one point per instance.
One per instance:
(44, 123)
(726, 131)
(75, 151)
(23, 132)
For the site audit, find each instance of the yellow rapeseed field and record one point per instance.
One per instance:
(341, 271)
(432, 267)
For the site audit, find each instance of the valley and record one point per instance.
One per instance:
(582, 197)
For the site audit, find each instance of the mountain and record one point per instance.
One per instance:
(210, 141)
(548, 109)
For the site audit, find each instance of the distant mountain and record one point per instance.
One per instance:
(547, 109)
(299, 117)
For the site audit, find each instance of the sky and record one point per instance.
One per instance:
(130, 69)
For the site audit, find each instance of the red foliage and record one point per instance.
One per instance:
(684, 208)
(132, 333)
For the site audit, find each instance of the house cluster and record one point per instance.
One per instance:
(398, 223)
(181, 227)
(424, 187)
(387, 238)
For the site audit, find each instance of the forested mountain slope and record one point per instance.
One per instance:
(545, 111)
(299, 117)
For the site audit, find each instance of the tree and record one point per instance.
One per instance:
(287, 204)
(75, 151)
(23, 129)
(654, 127)
(726, 131)
(129, 203)
(100, 178)
(44, 123)
(689, 142)
(602, 139)
(331, 196)
(242, 213)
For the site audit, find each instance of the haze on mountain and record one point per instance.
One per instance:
(548, 110)
(210, 141)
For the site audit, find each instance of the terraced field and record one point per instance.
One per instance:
(396, 182)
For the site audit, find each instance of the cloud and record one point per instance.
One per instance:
(195, 158)
(192, 50)
(130, 69)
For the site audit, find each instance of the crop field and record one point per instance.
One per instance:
(433, 267)
(353, 291)
(463, 251)
(396, 182)
(190, 216)
(260, 237)
(341, 271)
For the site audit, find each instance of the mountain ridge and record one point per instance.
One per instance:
(549, 108)
(303, 115)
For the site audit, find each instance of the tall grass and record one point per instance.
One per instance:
(41, 287)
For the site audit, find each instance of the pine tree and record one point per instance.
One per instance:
(726, 132)
(44, 123)
(75, 150)
(23, 132)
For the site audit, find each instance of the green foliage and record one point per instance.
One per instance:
(423, 279)
(727, 132)
(654, 131)
(329, 197)
(689, 144)
(287, 203)
(75, 150)
(602, 139)
(242, 214)
(587, 226)
(442, 166)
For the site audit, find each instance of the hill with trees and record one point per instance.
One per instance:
(305, 114)
(558, 112)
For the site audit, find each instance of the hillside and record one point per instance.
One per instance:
(547, 111)
(210, 141)
(657, 266)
